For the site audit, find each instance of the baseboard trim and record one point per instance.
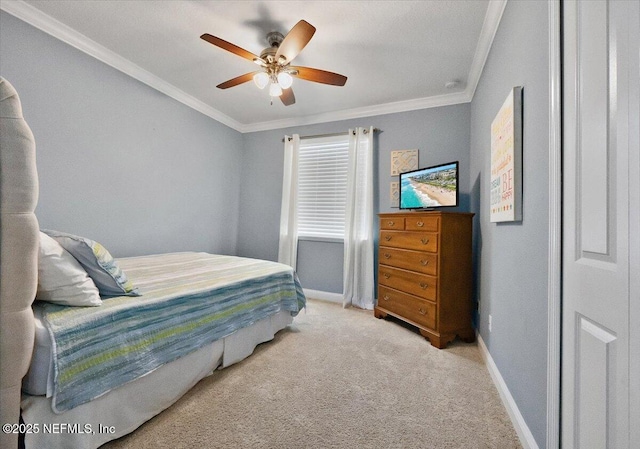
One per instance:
(325, 296)
(525, 435)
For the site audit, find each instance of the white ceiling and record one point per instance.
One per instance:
(397, 55)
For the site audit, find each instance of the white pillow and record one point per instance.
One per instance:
(61, 278)
(98, 263)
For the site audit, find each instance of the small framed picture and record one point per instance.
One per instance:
(403, 160)
(394, 194)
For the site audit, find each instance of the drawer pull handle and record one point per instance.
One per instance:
(424, 285)
(424, 263)
(424, 241)
(387, 237)
(387, 275)
(386, 297)
(387, 256)
(391, 223)
(420, 224)
(422, 311)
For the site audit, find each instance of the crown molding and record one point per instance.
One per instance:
(57, 29)
(368, 111)
(489, 28)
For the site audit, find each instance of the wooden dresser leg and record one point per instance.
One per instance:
(468, 336)
(438, 342)
(379, 313)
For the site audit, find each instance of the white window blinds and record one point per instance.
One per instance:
(322, 186)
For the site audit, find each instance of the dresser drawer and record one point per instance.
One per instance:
(421, 285)
(422, 224)
(411, 260)
(415, 309)
(421, 241)
(392, 223)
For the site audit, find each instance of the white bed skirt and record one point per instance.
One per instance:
(124, 409)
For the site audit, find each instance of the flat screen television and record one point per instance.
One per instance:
(430, 187)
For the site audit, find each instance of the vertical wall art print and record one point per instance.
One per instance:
(403, 160)
(506, 160)
(394, 194)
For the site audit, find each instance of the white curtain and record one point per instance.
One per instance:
(288, 248)
(359, 287)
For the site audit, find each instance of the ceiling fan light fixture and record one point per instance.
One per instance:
(285, 80)
(261, 79)
(275, 90)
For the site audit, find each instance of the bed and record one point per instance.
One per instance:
(79, 374)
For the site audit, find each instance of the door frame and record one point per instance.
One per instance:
(554, 273)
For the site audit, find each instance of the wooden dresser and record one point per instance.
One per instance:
(425, 273)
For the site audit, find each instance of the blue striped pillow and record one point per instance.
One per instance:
(99, 264)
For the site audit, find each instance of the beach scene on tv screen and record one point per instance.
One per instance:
(429, 188)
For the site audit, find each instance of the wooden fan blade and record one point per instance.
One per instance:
(319, 76)
(295, 40)
(287, 97)
(237, 80)
(230, 47)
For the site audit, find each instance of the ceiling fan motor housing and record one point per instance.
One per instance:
(274, 38)
(269, 54)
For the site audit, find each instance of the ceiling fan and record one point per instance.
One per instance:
(275, 60)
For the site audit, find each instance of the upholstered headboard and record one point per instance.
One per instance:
(19, 242)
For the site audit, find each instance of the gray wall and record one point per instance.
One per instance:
(441, 135)
(511, 259)
(142, 173)
(118, 161)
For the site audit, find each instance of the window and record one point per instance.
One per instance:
(322, 187)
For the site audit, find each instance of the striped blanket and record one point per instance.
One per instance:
(188, 300)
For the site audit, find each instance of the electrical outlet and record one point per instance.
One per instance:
(489, 323)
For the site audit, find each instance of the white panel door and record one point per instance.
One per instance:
(600, 224)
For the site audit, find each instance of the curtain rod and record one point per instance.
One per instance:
(375, 130)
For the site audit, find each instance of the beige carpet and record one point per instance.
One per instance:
(339, 378)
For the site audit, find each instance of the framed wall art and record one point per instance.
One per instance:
(394, 194)
(403, 160)
(506, 160)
